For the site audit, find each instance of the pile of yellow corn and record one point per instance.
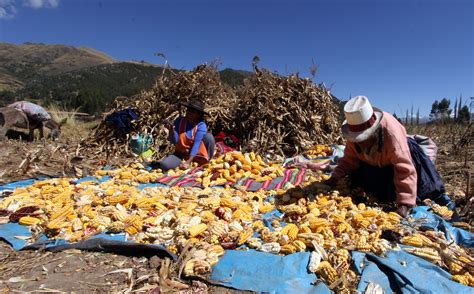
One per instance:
(233, 166)
(434, 247)
(318, 150)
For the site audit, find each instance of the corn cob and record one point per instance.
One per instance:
(412, 241)
(370, 213)
(393, 217)
(235, 226)
(131, 230)
(244, 236)
(257, 225)
(443, 211)
(300, 245)
(455, 267)
(314, 224)
(288, 249)
(327, 272)
(57, 219)
(466, 279)
(304, 229)
(271, 247)
(21, 212)
(119, 215)
(29, 220)
(291, 230)
(122, 199)
(116, 227)
(254, 243)
(292, 209)
(427, 253)
(265, 207)
(196, 230)
(226, 202)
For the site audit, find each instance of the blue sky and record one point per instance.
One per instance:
(398, 53)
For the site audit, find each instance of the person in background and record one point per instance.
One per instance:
(190, 137)
(381, 159)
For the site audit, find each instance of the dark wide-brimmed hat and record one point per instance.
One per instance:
(196, 105)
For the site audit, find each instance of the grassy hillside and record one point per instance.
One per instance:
(77, 78)
(20, 64)
(91, 89)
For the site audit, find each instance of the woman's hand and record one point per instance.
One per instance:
(186, 164)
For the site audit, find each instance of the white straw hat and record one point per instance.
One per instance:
(362, 120)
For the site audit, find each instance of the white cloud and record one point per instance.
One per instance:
(8, 8)
(36, 4)
(4, 3)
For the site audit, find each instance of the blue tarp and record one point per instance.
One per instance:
(264, 272)
(401, 272)
(12, 185)
(434, 221)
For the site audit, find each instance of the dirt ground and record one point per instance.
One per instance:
(81, 271)
(86, 272)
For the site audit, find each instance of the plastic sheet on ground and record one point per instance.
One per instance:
(434, 221)
(266, 272)
(401, 272)
(16, 235)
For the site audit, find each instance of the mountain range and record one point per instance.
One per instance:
(77, 77)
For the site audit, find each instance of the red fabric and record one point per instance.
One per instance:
(363, 126)
(225, 143)
(222, 148)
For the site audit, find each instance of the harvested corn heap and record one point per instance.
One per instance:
(284, 115)
(318, 150)
(162, 102)
(212, 220)
(232, 167)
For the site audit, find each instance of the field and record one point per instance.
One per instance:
(105, 272)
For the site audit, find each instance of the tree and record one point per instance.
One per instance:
(459, 105)
(464, 115)
(434, 113)
(440, 110)
(418, 116)
(6, 97)
(456, 109)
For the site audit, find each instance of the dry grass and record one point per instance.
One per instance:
(444, 135)
(71, 125)
(61, 114)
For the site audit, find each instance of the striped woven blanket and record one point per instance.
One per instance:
(291, 176)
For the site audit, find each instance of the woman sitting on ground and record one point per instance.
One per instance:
(189, 135)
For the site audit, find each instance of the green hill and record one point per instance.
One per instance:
(91, 89)
(77, 78)
(20, 64)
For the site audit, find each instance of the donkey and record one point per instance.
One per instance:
(12, 117)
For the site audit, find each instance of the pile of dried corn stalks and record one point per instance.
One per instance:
(285, 115)
(163, 102)
(271, 114)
